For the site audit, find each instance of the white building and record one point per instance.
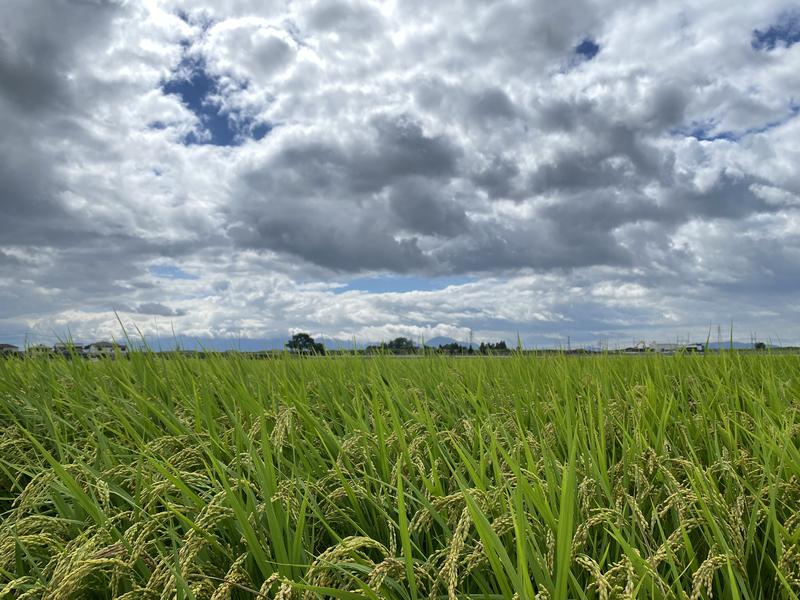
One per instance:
(104, 349)
(672, 348)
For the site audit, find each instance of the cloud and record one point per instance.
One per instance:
(419, 210)
(355, 19)
(589, 168)
(156, 308)
(323, 199)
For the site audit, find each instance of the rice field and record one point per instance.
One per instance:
(343, 477)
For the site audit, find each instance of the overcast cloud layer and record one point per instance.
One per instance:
(245, 168)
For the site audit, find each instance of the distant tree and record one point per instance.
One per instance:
(304, 344)
(760, 346)
(493, 348)
(401, 344)
(452, 348)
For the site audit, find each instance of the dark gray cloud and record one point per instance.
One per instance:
(667, 105)
(490, 105)
(607, 154)
(400, 148)
(419, 209)
(499, 178)
(322, 201)
(41, 113)
(358, 246)
(353, 19)
(392, 148)
(36, 70)
(537, 243)
(156, 308)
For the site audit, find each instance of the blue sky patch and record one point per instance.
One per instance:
(588, 49)
(384, 284)
(786, 32)
(170, 272)
(196, 91)
(199, 92)
(704, 130)
(259, 130)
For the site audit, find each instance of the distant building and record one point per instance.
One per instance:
(694, 348)
(662, 348)
(636, 348)
(68, 348)
(104, 349)
(9, 349)
(673, 348)
(39, 350)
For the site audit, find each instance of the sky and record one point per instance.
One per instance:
(591, 170)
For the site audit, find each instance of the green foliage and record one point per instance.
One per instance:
(490, 348)
(401, 343)
(452, 348)
(304, 344)
(349, 477)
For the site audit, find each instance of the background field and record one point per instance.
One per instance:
(550, 477)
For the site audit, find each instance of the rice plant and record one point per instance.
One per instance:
(347, 477)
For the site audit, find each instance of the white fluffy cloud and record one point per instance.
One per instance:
(243, 168)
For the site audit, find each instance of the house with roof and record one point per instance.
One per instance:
(39, 350)
(68, 349)
(104, 349)
(9, 350)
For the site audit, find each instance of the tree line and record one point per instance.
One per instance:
(303, 343)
